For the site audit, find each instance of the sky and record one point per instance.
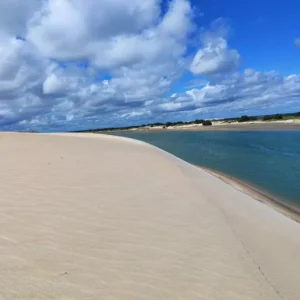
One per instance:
(80, 64)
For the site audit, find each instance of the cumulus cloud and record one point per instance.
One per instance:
(14, 15)
(110, 33)
(52, 85)
(236, 92)
(89, 63)
(21, 74)
(75, 60)
(215, 56)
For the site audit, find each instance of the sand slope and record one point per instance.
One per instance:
(92, 217)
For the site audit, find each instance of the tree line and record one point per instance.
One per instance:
(274, 117)
(241, 119)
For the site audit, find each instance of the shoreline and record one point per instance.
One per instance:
(269, 126)
(217, 126)
(280, 205)
(286, 209)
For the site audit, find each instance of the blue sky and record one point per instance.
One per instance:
(262, 33)
(67, 65)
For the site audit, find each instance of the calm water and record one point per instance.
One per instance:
(269, 160)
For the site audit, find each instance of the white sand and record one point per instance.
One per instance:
(106, 218)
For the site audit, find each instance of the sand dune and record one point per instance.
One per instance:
(98, 217)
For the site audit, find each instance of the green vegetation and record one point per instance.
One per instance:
(172, 124)
(273, 117)
(241, 119)
(246, 119)
(207, 123)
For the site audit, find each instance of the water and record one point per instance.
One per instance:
(269, 160)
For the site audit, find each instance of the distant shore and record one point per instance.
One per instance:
(219, 126)
(274, 125)
(288, 210)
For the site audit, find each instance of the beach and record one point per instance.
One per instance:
(222, 126)
(280, 205)
(90, 216)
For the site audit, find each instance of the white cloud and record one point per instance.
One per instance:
(67, 64)
(110, 33)
(16, 64)
(22, 72)
(238, 92)
(14, 15)
(127, 41)
(52, 85)
(215, 56)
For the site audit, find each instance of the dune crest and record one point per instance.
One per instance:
(96, 217)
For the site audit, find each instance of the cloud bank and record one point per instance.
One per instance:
(89, 63)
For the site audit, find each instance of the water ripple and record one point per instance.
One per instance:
(276, 151)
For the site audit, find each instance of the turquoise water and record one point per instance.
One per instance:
(269, 160)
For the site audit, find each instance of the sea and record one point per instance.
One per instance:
(267, 160)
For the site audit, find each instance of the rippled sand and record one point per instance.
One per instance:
(98, 217)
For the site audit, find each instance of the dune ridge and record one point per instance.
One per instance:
(88, 216)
